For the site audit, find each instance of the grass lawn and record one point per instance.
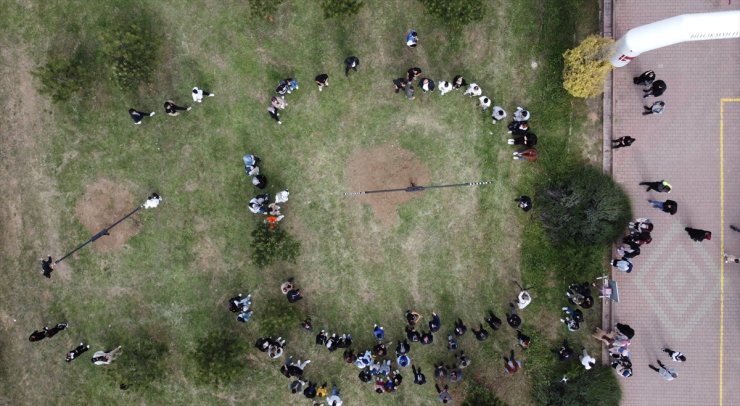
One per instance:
(162, 294)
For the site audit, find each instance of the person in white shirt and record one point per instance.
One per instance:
(199, 93)
(587, 361)
(152, 202)
(484, 102)
(675, 355)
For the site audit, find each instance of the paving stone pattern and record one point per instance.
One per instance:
(672, 297)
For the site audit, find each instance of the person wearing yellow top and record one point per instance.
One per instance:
(322, 390)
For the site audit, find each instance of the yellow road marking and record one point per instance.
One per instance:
(722, 241)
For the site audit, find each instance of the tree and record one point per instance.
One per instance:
(584, 206)
(586, 66)
(270, 245)
(596, 387)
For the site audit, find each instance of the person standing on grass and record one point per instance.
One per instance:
(409, 89)
(106, 357)
(47, 266)
(351, 63)
(322, 81)
(660, 186)
(419, 378)
(645, 79)
(412, 39)
(587, 361)
(656, 89)
(442, 394)
(668, 206)
(173, 109)
(698, 235)
(137, 115)
(675, 355)
(668, 374)
(198, 94)
(399, 84)
(273, 112)
(655, 108)
(622, 142)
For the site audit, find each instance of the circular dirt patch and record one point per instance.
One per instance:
(385, 167)
(104, 203)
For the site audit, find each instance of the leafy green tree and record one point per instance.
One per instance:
(595, 387)
(339, 8)
(130, 51)
(586, 66)
(478, 395)
(270, 245)
(61, 77)
(456, 13)
(585, 207)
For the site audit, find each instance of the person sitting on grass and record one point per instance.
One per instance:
(481, 334)
(460, 328)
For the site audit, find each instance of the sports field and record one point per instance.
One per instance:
(158, 285)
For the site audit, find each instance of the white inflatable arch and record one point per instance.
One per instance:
(686, 27)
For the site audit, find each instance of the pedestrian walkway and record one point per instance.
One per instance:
(680, 293)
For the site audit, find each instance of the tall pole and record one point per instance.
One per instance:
(417, 188)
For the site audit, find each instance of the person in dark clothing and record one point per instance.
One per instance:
(442, 394)
(37, 335)
(322, 81)
(74, 354)
(459, 82)
(137, 115)
(47, 266)
(173, 109)
(351, 63)
(273, 112)
(440, 372)
(263, 343)
(412, 334)
(523, 339)
(412, 74)
(47, 332)
(622, 142)
(399, 84)
(512, 318)
(518, 128)
(646, 79)
(460, 328)
(660, 186)
(565, 353)
(307, 325)
(656, 89)
(412, 317)
(528, 139)
(259, 181)
(419, 378)
(426, 338)
(481, 334)
(365, 375)
(635, 239)
(698, 235)
(493, 321)
(669, 206)
(463, 361)
(435, 323)
(426, 84)
(349, 356)
(322, 338)
(294, 295)
(524, 203)
(655, 108)
(310, 391)
(403, 347)
(380, 350)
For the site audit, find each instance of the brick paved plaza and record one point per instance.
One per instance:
(680, 293)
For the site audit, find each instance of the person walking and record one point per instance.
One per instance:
(668, 206)
(351, 63)
(656, 89)
(698, 235)
(137, 115)
(198, 94)
(655, 108)
(668, 374)
(622, 142)
(645, 79)
(675, 355)
(660, 186)
(173, 109)
(322, 81)
(106, 357)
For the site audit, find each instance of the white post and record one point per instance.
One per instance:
(686, 27)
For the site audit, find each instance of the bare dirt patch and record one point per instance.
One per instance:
(103, 203)
(385, 167)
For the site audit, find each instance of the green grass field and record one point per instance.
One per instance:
(163, 294)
